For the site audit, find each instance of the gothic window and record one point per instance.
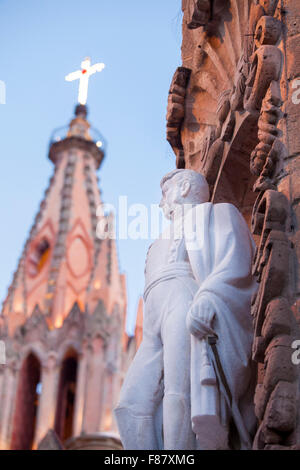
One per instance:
(66, 397)
(27, 402)
(38, 257)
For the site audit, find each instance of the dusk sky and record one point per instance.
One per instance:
(44, 40)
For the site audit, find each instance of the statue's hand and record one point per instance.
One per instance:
(200, 318)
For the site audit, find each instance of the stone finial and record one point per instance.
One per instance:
(81, 110)
(79, 126)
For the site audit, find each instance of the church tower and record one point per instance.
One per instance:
(63, 320)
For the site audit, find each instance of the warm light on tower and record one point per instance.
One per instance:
(97, 285)
(83, 76)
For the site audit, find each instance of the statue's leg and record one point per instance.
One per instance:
(141, 394)
(178, 432)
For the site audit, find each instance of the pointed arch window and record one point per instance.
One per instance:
(64, 418)
(27, 403)
(38, 257)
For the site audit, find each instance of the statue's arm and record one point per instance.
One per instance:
(220, 250)
(201, 314)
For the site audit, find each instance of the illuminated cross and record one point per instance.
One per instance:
(83, 76)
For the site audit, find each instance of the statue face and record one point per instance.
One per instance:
(173, 196)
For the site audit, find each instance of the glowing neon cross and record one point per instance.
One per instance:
(83, 76)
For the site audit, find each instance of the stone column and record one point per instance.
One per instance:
(2, 372)
(48, 399)
(11, 375)
(116, 378)
(93, 402)
(108, 399)
(117, 382)
(80, 396)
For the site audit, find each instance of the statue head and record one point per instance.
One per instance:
(180, 187)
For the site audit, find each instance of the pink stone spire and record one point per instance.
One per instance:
(67, 300)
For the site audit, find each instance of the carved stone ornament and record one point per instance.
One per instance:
(231, 132)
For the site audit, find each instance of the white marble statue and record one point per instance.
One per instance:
(181, 392)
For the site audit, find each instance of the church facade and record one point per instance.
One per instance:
(63, 320)
(233, 115)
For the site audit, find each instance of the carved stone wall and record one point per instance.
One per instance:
(233, 115)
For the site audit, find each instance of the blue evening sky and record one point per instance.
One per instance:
(43, 40)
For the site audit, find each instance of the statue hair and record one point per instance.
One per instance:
(199, 185)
